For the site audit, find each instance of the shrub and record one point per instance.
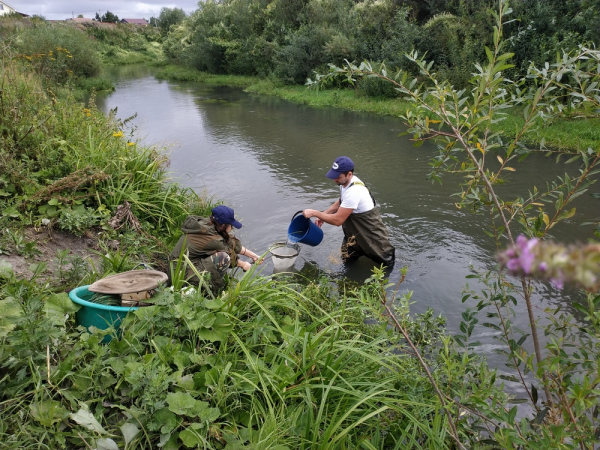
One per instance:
(59, 51)
(303, 52)
(376, 87)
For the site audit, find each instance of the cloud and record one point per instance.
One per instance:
(65, 9)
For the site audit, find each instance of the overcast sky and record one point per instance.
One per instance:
(130, 9)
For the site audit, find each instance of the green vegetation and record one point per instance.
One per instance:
(291, 363)
(290, 40)
(179, 73)
(75, 159)
(126, 44)
(169, 17)
(267, 365)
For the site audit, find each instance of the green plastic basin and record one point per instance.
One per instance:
(96, 315)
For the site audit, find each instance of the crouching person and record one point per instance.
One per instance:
(210, 247)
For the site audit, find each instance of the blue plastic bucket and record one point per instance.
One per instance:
(94, 314)
(304, 231)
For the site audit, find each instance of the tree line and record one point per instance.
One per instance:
(289, 39)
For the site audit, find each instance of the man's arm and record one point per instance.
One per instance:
(334, 215)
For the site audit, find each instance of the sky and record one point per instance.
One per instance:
(129, 9)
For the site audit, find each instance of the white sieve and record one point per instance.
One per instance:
(284, 255)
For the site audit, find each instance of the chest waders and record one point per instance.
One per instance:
(366, 235)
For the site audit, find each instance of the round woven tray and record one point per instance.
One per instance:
(129, 282)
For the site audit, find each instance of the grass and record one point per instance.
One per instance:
(113, 55)
(178, 73)
(562, 133)
(267, 365)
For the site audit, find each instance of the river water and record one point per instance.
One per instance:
(267, 159)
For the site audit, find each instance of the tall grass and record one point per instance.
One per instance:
(58, 154)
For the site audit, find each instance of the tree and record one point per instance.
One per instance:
(153, 22)
(108, 17)
(170, 16)
(80, 16)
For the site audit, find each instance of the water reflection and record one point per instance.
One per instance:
(267, 159)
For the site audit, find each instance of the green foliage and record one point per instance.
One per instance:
(291, 39)
(79, 219)
(189, 367)
(107, 17)
(169, 17)
(84, 170)
(58, 52)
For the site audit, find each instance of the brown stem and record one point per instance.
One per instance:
(441, 397)
(506, 336)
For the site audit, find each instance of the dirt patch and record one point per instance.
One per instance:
(48, 245)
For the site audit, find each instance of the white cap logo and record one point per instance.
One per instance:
(335, 166)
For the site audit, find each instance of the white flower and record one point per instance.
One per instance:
(45, 222)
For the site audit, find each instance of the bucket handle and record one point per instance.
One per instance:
(299, 212)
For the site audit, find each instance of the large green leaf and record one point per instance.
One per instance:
(59, 307)
(86, 419)
(183, 404)
(11, 309)
(106, 444)
(202, 319)
(218, 331)
(191, 436)
(166, 420)
(6, 270)
(48, 412)
(129, 431)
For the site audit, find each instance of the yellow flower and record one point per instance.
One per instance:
(118, 134)
(88, 114)
(130, 143)
(69, 56)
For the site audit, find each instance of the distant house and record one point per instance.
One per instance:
(141, 22)
(5, 8)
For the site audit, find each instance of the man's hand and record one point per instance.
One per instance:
(308, 213)
(244, 265)
(319, 223)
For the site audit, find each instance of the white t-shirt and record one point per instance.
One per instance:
(356, 196)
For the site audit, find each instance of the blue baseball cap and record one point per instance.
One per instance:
(339, 166)
(224, 215)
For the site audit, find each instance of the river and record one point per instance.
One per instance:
(267, 159)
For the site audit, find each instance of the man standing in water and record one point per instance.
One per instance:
(356, 211)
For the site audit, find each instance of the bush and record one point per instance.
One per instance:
(303, 52)
(376, 87)
(59, 51)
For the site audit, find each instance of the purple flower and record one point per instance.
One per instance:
(510, 253)
(557, 282)
(543, 266)
(513, 265)
(522, 242)
(527, 256)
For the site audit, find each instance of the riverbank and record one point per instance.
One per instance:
(563, 133)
